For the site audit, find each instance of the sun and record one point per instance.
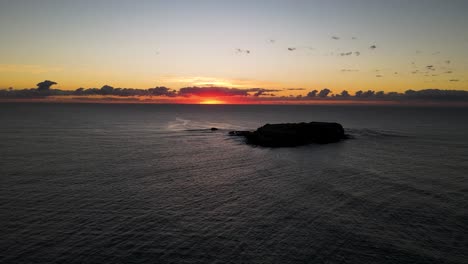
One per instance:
(212, 101)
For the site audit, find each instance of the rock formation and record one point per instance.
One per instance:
(293, 134)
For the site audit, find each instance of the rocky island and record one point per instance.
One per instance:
(293, 134)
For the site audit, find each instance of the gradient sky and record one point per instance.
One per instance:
(143, 44)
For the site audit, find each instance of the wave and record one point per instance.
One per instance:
(373, 133)
(181, 124)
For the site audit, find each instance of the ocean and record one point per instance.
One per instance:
(123, 183)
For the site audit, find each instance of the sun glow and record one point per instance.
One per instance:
(212, 101)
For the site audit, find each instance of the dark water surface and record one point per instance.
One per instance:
(84, 183)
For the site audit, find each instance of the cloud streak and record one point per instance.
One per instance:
(211, 91)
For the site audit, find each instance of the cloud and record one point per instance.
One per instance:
(104, 99)
(312, 93)
(301, 48)
(262, 91)
(295, 89)
(42, 90)
(324, 93)
(45, 85)
(223, 91)
(258, 93)
(380, 94)
(421, 96)
(123, 92)
(164, 94)
(356, 53)
(343, 94)
(437, 95)
(366, 94)
(212, 91)
(161, 91)
(243, 51)
(432, 95)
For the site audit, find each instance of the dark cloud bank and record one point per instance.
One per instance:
(44, 90)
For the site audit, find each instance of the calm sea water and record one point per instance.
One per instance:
(84, 183)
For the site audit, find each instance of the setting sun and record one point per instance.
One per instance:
(212, 101)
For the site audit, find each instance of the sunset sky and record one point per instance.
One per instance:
(354, 45)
